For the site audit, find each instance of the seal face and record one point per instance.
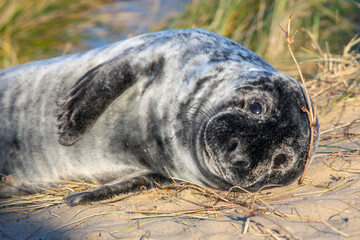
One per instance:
(259, 139)
(208, 109)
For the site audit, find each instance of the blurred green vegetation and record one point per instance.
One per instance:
(31, 30)
(255, 23)
(43, 28)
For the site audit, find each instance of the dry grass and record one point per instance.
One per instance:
(46, 197)
(255, 23)
(311, 113)
(32, 30)
(338, 75)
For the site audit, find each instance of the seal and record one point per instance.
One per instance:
(190, 102)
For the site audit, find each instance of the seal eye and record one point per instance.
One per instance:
(279, 159)
(255, 108)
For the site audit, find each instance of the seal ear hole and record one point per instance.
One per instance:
(279, 160)
(233, 144)
(255, 107)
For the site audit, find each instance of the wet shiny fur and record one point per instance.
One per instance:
(181, 99)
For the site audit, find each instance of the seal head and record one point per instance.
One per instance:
(260, 136)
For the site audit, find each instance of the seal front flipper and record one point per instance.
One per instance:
(90, 96)
(97, 89)
(130, 183)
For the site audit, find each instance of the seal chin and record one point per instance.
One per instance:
(282, 168)
(276, 171)
(246, 177)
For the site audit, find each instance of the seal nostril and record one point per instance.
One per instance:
(233, 145)
(279, 159)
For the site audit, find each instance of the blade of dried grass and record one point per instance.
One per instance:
(309, 111)
(261, 200)
(137, 224)
(281, 228)
(246, 226)
(86, 218)
(337, 186)
(209, 191)
(187, 211)
(341, 126)
(338, 231)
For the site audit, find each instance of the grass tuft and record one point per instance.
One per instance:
(254, 23)
(31, 30)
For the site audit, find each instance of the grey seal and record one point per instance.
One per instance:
(190, 101)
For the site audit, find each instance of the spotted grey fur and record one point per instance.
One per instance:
(176, 99)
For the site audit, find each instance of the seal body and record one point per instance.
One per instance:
(190, 101)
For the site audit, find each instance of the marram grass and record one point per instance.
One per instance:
(255, 23)
(39, 29)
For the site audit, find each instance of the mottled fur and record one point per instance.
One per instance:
(175, 99)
